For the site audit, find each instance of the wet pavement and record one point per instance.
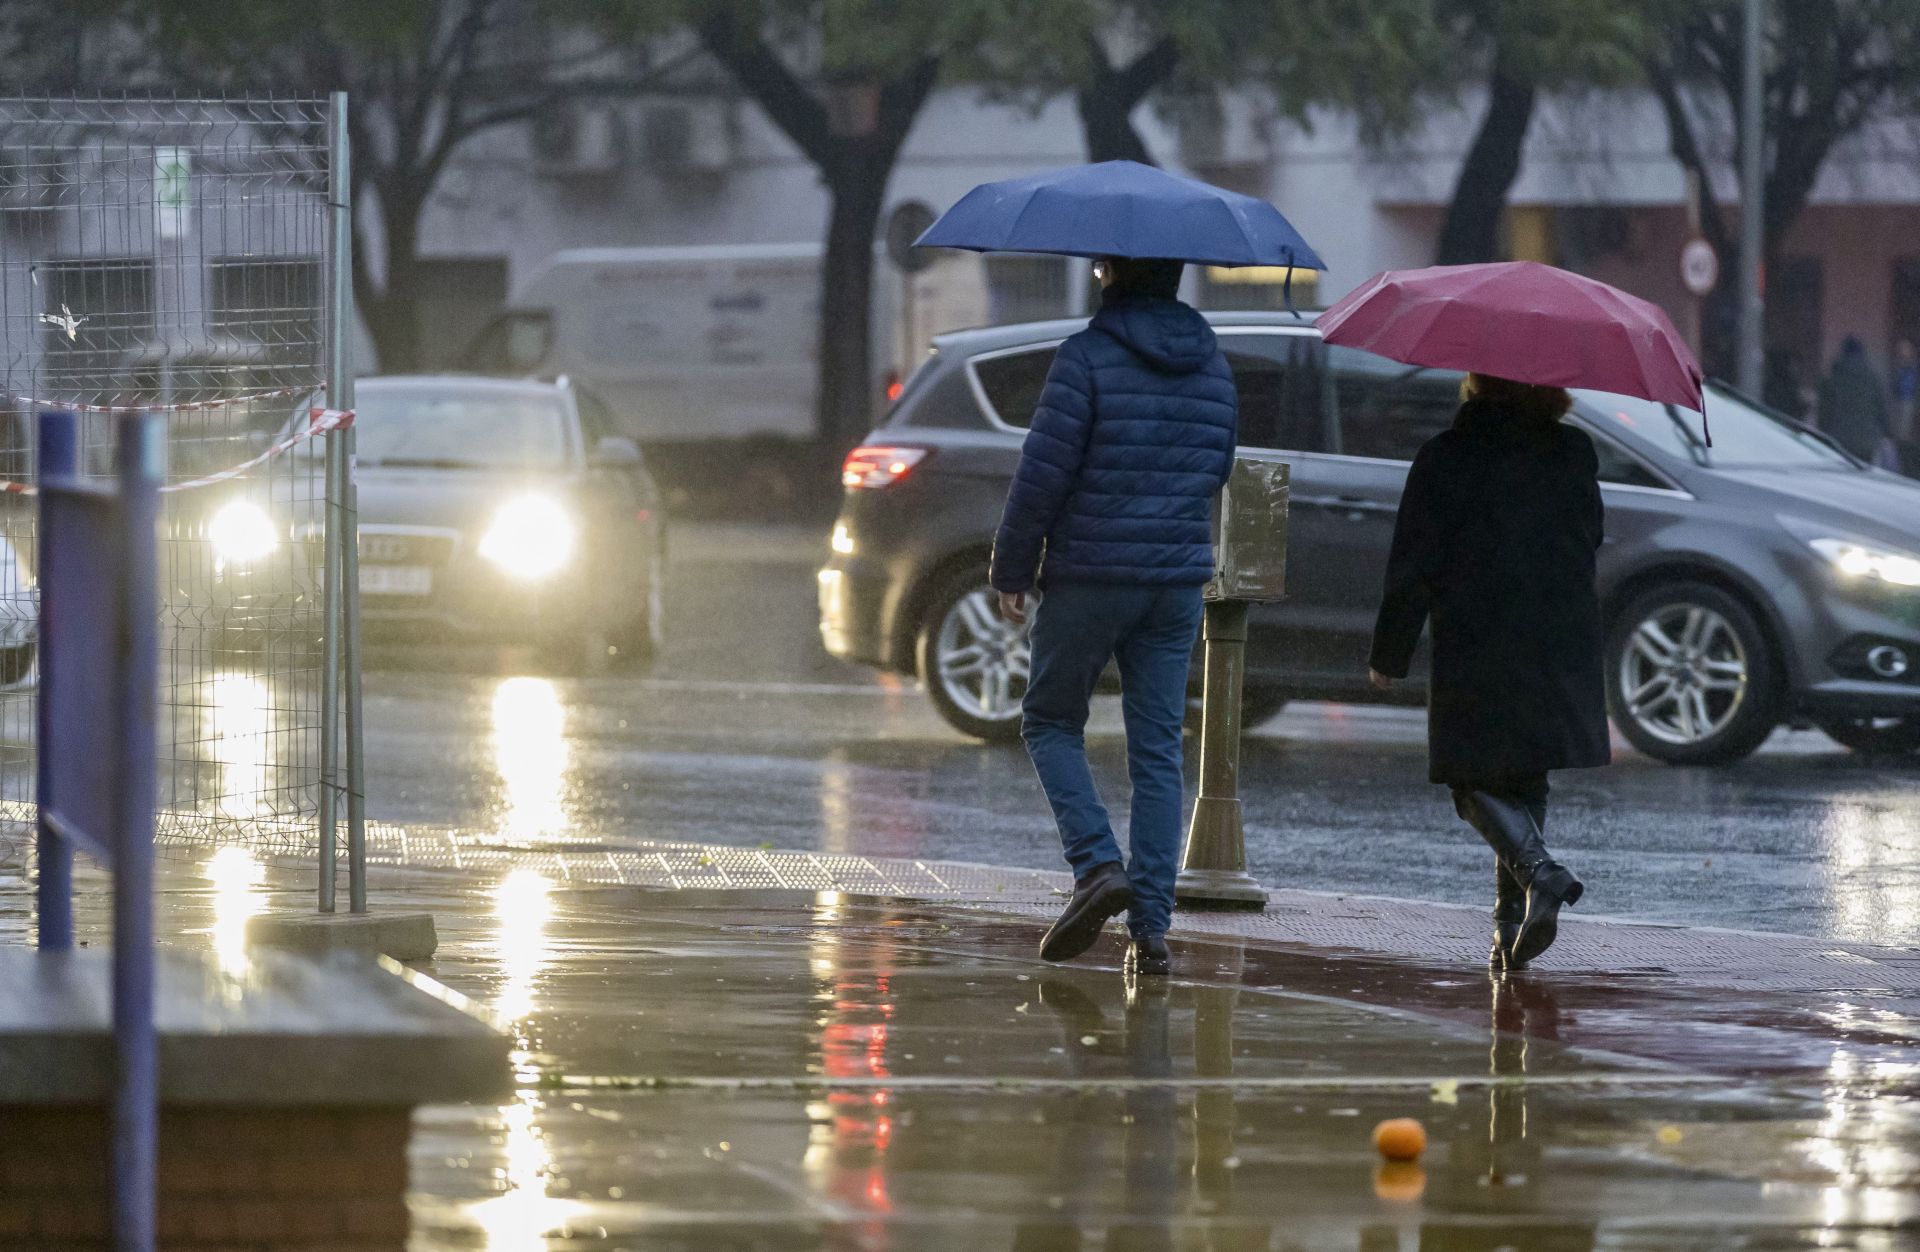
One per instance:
(827, 1066)
(747, 734)
(797, 1070)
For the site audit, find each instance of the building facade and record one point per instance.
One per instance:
(1599, 192)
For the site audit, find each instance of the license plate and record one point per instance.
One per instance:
(396, 580)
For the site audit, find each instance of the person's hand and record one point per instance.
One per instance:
(1379, 680)
(1013, 607)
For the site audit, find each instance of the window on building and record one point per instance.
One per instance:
(1027, 288)
(1388, 410)
(1257, 288)
(274, 302)
(93, 314)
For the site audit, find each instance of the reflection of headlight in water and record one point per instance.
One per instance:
(242, 532)
(530, 537)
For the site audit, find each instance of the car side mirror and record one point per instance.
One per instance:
(615, 452)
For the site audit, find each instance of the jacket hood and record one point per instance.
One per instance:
(1168, 335)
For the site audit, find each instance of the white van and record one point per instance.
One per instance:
(683, 344)
(690, 345)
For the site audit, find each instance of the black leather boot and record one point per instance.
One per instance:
(1147, 956)
(1513, 832)
(1510, 901)
(1509, 910)
(1104, 892)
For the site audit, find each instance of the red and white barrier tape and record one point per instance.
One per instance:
(224, 402)
(323, 420)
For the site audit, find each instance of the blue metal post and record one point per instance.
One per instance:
(136, 1096)
(59, 459)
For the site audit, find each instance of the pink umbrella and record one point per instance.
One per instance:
(1520, 320)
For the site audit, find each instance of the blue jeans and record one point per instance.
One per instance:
(1077, 629)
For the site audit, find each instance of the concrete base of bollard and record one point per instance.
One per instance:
(1218, 889)
(1215, 873)
(402, 936)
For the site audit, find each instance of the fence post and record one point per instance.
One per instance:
(59, 459)
(340, 306)
(339, 391)
(141, 448)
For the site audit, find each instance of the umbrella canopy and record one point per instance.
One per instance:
(1520, 320)
(1121, 208)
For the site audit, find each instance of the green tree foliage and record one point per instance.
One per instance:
(1831, 68)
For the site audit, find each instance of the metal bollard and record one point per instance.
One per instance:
(1214, 872)
(1250, 555)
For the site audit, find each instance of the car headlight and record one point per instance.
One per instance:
(1856, 558)
(529, 538)
(242, 533)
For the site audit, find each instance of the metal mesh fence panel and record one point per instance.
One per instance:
(172, 256)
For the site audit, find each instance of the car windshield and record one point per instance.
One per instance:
(1744, 434)
(456, 428)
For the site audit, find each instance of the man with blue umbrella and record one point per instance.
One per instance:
(1110, 512)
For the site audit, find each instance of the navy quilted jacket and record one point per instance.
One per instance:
(1133, 437)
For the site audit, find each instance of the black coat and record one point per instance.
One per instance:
(1495, 540)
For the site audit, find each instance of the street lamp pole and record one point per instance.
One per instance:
(1752, 199)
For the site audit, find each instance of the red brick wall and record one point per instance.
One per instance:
(231, 1180)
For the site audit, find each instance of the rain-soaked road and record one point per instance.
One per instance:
(748, 734)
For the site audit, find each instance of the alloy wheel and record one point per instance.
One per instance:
(1683, 674)
(981, 659)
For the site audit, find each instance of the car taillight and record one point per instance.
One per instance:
(875, 467)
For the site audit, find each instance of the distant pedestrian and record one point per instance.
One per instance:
(1495, 542)
(1904, 388)
(1133, 437)
(1853, 405)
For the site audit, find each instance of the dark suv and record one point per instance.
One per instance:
(1767, 578)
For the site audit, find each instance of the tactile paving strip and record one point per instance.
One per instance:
(1361, 925)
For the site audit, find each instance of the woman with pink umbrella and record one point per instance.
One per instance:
(1495, 544)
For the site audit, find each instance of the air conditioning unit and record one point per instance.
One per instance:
(579, 141)
(687, 136)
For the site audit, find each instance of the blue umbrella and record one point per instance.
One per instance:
(1121, 208)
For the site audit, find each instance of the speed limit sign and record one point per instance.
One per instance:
(1699, 266)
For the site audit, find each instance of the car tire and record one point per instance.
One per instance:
(1884, 736)
(962, 627)
(1691, 676)
(1258, 706)
(636, 644)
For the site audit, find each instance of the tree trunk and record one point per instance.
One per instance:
(393, 314)
(843, 400)
(1106, 101)
(1471, 232)
(1106, 119)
